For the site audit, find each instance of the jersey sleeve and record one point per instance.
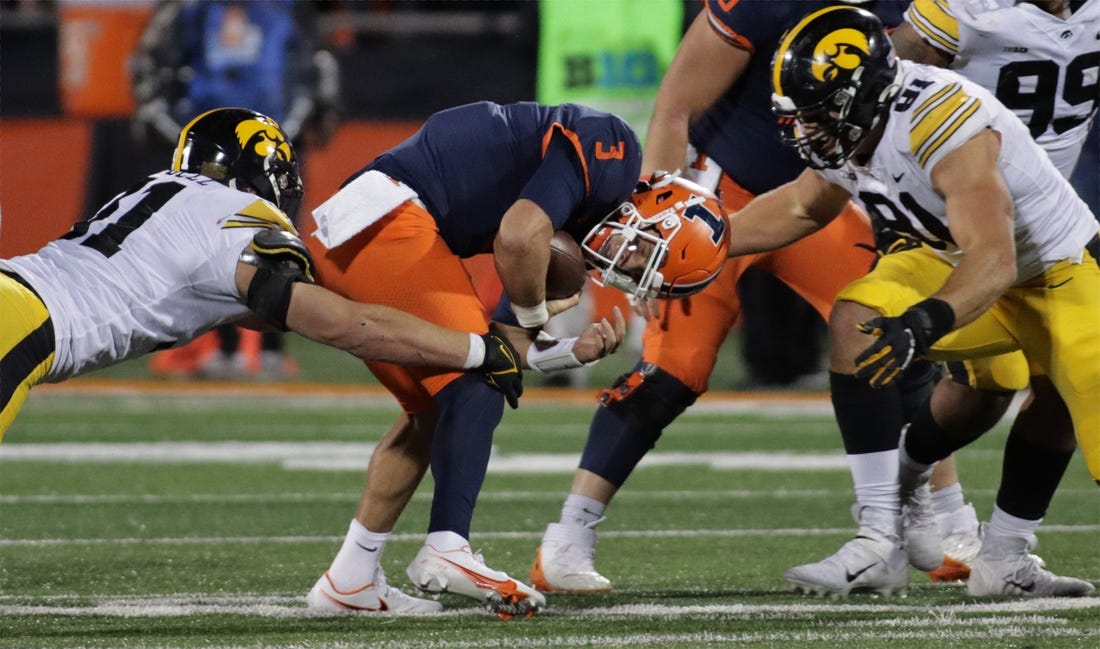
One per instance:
(590, 168)
(217, 274)
(942, 121)
(561, 182)
(936, 24)
(744, 24)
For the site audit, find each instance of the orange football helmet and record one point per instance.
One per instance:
(679, 229)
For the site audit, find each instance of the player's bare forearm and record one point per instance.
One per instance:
(521, 252)
(374, 332)
(785, 215)
(596, 341)
(704, 67)
(988, 266)
(980, 217)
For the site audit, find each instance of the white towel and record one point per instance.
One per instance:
(357, 205)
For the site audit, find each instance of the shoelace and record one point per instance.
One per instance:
(478, 557)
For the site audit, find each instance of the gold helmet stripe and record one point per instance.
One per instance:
(177, 157)
(785, 44)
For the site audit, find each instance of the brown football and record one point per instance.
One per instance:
(566, 273)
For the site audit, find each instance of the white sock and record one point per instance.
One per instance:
(948, 499)
(1004, 524)
(581, 511)
(446, 541)
(875, 476)
(357, 560)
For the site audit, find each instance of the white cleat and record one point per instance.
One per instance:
(961, 543)
(376, 597)
(463, 572)
(565, 562)
(962, 540)
(923, 540)
(922, 537)
(1004, 567)
(871, 562)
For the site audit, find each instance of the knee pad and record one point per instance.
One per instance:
(648, 398)
(632, 415)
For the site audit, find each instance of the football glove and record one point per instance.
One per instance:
(501, 366)
(901, 339)
(887, 242)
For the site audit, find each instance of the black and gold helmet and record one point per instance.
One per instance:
(245, 150)
(833, 77)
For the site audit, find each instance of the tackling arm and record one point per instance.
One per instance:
(704, 67)
(370, 332)
(786, 214)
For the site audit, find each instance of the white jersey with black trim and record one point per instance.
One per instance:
(1042, 67)
(935, 112)
(152, 269)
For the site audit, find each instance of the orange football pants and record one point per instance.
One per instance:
(685, 340)
(401, 261)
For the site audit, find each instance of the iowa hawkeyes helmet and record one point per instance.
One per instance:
(243, 149)
(833, 77)
(686, 228)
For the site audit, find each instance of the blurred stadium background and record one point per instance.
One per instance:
(68, 140)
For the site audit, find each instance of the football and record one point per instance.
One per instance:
(566, 273)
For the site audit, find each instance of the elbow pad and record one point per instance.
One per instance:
(280, 259)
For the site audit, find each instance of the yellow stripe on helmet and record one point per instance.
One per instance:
(794, 33)
(177, 157)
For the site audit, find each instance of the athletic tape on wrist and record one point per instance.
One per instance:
(530, 317)
(476, 356)
(549, 355)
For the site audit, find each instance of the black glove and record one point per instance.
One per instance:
(901, 339)
(887, 242)
(501, 367)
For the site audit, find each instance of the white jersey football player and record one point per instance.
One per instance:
(1010, 265)
(1041, 59)
(188, 249)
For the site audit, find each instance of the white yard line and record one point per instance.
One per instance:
(479, 536)
(484, 496)
(353, 456)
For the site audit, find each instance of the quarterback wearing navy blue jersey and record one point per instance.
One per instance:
(474, 179)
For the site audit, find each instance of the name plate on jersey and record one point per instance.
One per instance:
(357, 206)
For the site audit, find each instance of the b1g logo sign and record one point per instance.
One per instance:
(630, 69)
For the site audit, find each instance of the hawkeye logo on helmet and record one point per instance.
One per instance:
(263, 138)
(844, 49)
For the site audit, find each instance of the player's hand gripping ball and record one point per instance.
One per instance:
(566, 274)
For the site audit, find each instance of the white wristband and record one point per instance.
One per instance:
(476, 356)
(530, 317)
(548, 354)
